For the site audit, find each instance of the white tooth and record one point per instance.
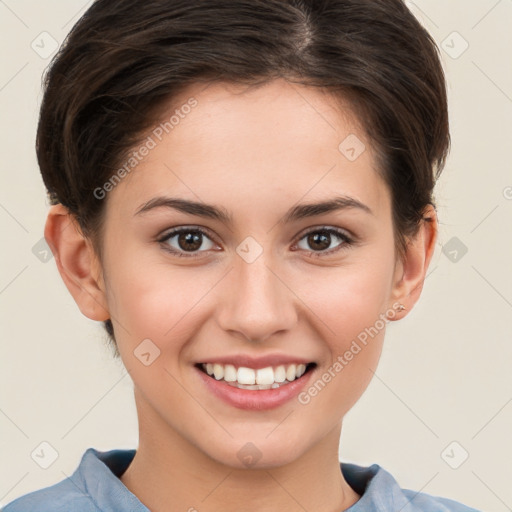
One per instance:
(264, 386)
(301, 368)
(246, 375)
(275, 385)
(290, 372)
(209, 368)
(229, 373)
(265, 375)
(218, 371)
(254, 387)
(280, 374)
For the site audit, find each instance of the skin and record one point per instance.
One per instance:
(256, 153)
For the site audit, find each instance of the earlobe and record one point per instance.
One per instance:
(411, 272)
(77, 263)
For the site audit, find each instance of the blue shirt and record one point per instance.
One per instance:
(95, 487)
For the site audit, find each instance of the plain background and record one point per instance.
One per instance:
(445, 371)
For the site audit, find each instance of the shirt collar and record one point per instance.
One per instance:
(98, 477)
(379, 491)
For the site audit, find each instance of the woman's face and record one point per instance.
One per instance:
(277, 284)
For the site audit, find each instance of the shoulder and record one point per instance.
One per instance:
(426, 502)
(380, 491)
(63, 496)
(93, 487)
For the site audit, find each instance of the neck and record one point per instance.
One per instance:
(174, 475)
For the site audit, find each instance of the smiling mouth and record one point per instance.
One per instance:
(242, 377)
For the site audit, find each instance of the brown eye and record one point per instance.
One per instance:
(319, 240)
(187, 240)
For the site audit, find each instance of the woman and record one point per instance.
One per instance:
(242, 191)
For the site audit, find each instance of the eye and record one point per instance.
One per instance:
(320, 240)
(186, 242)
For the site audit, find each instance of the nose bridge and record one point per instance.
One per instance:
(256, 303)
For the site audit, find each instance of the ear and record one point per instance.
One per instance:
(411, 270)
(77, 262)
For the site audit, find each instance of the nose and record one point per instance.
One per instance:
(256, 301)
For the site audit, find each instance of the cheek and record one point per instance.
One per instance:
(351, 302)
(156, 300)
(351, 297)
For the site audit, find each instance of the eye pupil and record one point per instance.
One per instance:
(319, 238)
(190, 237)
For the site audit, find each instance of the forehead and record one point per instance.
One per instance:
(279, 116)
(277, 141)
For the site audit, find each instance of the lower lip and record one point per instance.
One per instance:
(255, 399)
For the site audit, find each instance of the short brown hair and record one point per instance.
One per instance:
(124, 60)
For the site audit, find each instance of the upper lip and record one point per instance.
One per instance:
(256, 362)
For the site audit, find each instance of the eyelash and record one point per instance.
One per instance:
(347, 241)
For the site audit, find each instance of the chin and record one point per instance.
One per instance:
(258, 452)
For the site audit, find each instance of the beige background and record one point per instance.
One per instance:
(445, 372)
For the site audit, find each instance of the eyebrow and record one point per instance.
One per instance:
(219, 213)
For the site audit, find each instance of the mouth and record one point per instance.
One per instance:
(256, 379)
